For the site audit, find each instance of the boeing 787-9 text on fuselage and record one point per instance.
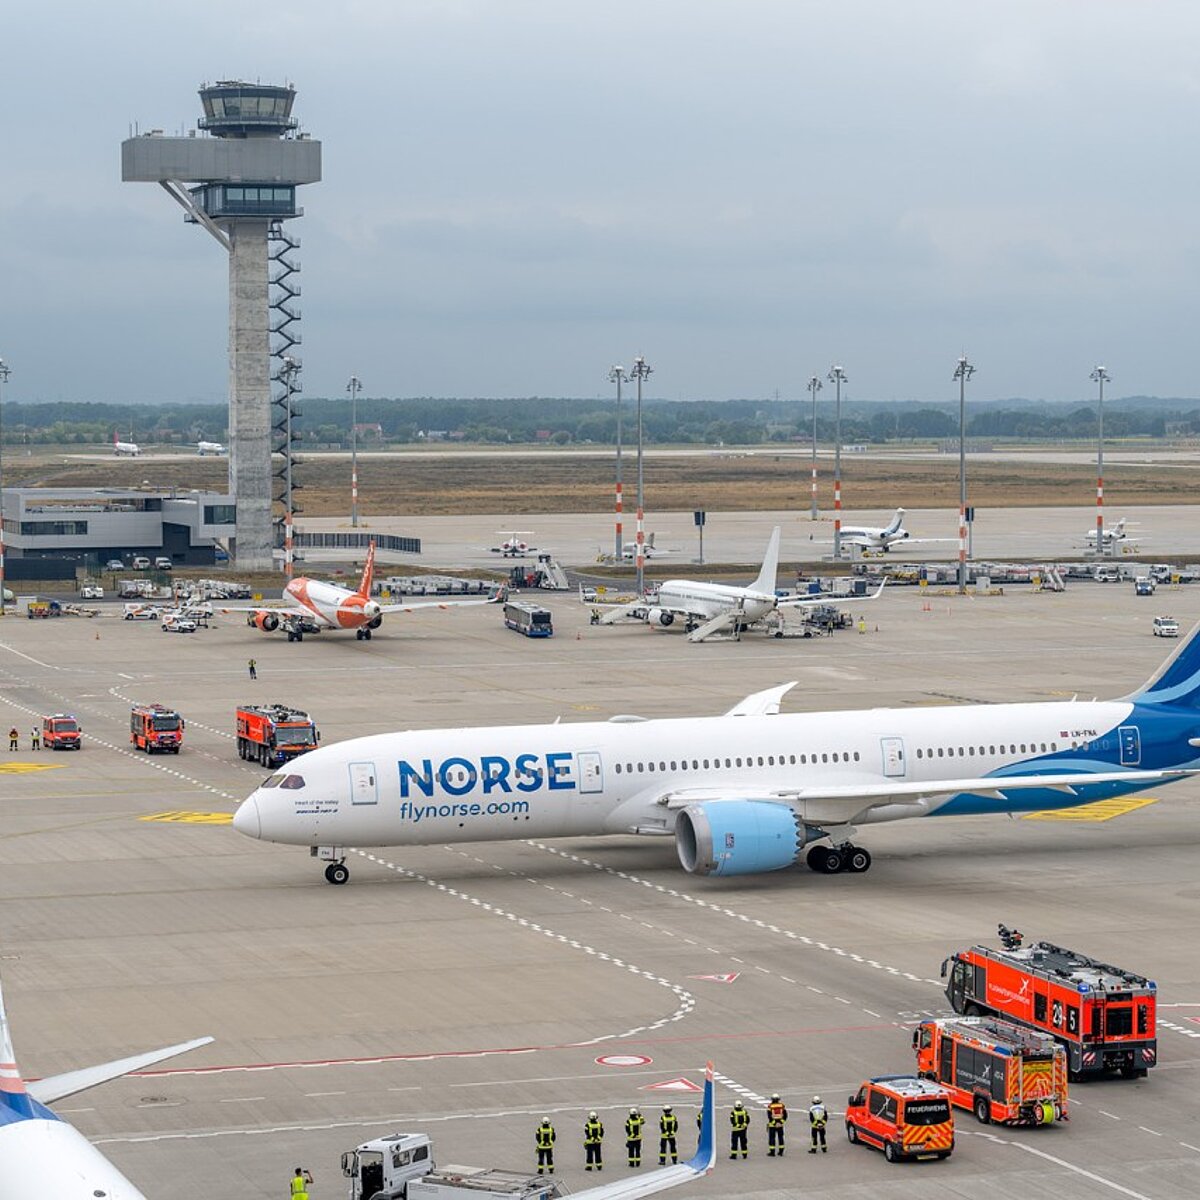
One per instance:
(751, 791)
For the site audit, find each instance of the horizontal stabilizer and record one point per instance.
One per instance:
(56, 1087)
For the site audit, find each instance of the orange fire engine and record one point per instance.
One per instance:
(1102, 1015)
(271, 734)
(1001, 1071)
(154, 728)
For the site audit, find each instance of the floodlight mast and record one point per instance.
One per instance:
(837, 377)
(1100, 377)
(814, 386)
(354, 387)
(5, 372)
(641, 370)
(618, 375)
(962, 372)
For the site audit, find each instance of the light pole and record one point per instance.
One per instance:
(354, 387)
(837, 377)
(288, 373)
(618, 375)
(5, 372)
(814, 386)
(1101, 377)
(962, 372)
(641, 370)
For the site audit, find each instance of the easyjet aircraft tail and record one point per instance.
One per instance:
(368, 575)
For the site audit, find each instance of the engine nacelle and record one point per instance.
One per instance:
(738, 837)
(375, 624)
(660, 616)
(268, 622)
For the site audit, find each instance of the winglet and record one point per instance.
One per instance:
(368, 575)
(762, 704)
(706, 1150)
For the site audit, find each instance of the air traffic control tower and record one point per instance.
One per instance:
(243, 167)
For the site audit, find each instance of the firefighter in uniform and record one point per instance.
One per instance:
(739, 1123)
(668, 1128)
(593, 1142)
(633, 1136)
(777, 1116)
(818, 1118)
(35, 738)
(544, 1138)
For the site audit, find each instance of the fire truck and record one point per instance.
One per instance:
(273, 733)
(1102, 1015)
(155, 729)
(1001, 1071)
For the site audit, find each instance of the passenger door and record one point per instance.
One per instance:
(893, 756)
(364, 783)
(591, 771)
(1131, 745)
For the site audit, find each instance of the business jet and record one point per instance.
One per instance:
(709, 608)
(649, 549)
(125, 449)
(315, 606)
(515, 545)
(40, 1154)
(1113, 534)
(203, 448)
(744, 793)
(879, 539)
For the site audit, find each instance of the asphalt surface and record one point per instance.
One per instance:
(467, 992)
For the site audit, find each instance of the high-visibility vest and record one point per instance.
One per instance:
(633, 1127)
(593, 1131)
(545, 1137)
(818, 1115)
(739, 1118)
(668, 1124)
(299, 1186)
(776, 1114)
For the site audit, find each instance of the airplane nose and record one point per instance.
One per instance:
(247, 820)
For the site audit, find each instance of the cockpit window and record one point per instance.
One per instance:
(292, 781)
(273, 781)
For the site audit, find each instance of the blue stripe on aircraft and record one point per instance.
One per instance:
(22, 1107)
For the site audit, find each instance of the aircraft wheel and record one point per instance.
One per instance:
(358, 635)
(858, 860)
(835, 860)
(816, 859)
(337, 873)
(366, 635)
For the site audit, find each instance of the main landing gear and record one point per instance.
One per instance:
(363, 635)
(832, 860)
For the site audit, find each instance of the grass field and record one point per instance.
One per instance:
(562, 482)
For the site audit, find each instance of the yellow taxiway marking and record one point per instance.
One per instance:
(1101, 810)
(190, 818)
(24, 768)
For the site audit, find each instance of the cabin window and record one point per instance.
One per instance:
(650, 766)
(696, 764)
(728, 763)
(618, 768)
(674, 767)
(940, 752)
(770, 760)
(920, 752)
(641, 767)
(760, 760)
(835, 757)
(824, 758)
(1054, 747)
(857, 756)
(971, 751)
(793, 759)
(706, 764)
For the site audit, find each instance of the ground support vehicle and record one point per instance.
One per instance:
(177, 622)
(402, 1165)
(529, 619)
(1166, 627)
(155, 729)
(1000, 1071)
(274, 733)
(91, 591)
(1104, 1016)
(903, 1116)
(38, 609)
(61, 732)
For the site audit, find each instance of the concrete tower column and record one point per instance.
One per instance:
(250, 393)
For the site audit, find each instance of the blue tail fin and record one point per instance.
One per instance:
(1177, 681)
(706, 1150)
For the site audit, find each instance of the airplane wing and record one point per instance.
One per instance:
(498, 598)
(699, 1165)
(762, 704)
(280, 610)
(826, 598)
(56, 1087)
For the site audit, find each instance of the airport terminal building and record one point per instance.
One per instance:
(88, 526)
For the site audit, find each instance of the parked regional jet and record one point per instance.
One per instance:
(709, 608)
(203, 448)
(317, 606)
(125, 449)
(40, 1154)
(747, 792)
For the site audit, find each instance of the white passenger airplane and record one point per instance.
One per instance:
(40, 1154)
(709, 608)
(747, 792)
(203, 448)
(125, 449)
(315, 606)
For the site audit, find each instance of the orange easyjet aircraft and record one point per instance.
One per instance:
(316, 606)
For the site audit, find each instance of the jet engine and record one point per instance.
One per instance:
(268, 622)
(738, 837)
(660, 616)
(375, 624)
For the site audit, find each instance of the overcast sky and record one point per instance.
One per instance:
(520, 193)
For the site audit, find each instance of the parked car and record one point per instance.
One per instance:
(141, 562)
(114, 564)
(172, 623)
(163, 563)
(91, 591)
(142, 612)
(1166, 627)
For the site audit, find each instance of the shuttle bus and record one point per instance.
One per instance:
(528, 619)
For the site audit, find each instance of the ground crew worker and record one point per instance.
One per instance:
(668, 1129)
(862, 624)
(777, 1115)
(544, 1138)
(35, 735)
(13, 738)
(300, 1182)
(739, 1122)
(818, 1118)
(633, 1136)
(252, 666)
(593, 1142)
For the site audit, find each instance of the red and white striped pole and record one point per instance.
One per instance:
(1101, 377)
(814, 386)
(641, 371)
(618, 376)
(837, 377)
(5, 372)
(962, 372)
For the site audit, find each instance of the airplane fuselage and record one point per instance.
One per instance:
(48, 1157)
(708, 600)
(330, 606)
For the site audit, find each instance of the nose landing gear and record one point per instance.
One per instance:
(337, 873)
